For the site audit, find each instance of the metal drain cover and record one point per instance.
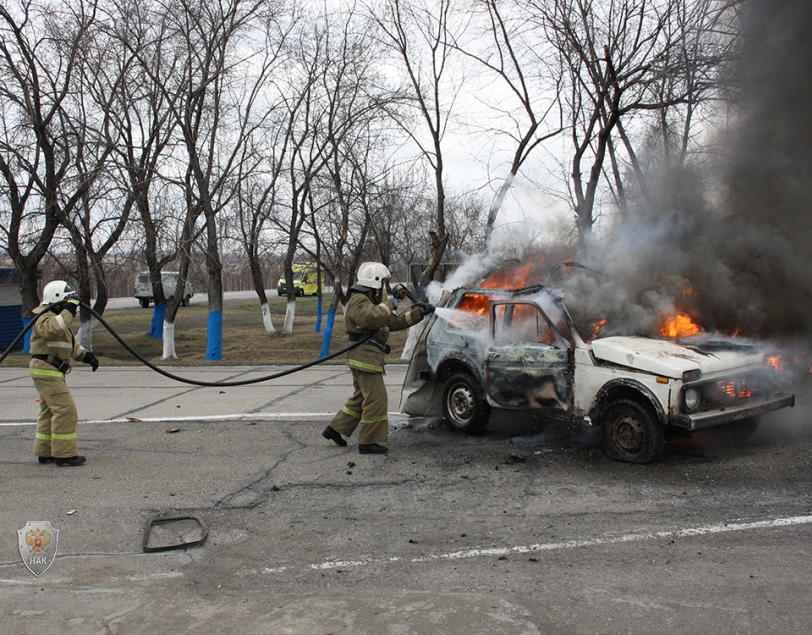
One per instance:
(164, 533)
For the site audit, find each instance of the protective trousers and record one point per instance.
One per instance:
(366, 406)
(56, 425)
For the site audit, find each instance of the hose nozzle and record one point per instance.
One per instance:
(400, 291)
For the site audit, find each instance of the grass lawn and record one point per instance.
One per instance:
(245, 342)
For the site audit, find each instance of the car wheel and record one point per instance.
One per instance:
(144, 303)
(632, 432)
(464, 405)
(184, 302)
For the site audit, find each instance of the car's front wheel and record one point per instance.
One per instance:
(464, 405)
(631, 432)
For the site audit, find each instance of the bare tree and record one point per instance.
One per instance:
(39, 51)
(335, 110)
(96, 224)
(143, 124)
(213, 101)
(703, 33)
(306, 158)
(418, 33)
(515, 56)
(611, 53)
(255, 205)
(260, 165)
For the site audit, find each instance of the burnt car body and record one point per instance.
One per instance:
(522, 350)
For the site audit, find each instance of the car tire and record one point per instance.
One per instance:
(144, 303)
(464, 404)
(631, 432)
(184, 302)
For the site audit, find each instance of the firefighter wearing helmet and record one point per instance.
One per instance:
(368, 313)
(53, 346)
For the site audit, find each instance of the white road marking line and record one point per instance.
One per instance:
(226, 417)
(686, 532)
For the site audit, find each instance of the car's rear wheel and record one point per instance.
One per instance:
(464, 404)
(144, 303)
(631, 432)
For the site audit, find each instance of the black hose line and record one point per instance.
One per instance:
(184, 380)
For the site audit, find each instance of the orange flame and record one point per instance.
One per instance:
(778, 362)
(474, 303)
(597, 326)
(516, 275)
(679, 326)
(733, 389)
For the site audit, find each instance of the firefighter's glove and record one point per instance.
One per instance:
(427, 309)
(394, 302)
(71, 305)
(400, 291)
(90, 358)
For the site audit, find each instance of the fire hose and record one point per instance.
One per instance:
(184, 380)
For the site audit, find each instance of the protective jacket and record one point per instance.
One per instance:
(52, 338)
(363, 317)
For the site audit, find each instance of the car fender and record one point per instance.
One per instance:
(625, 386)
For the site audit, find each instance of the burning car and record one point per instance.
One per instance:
(520, 349)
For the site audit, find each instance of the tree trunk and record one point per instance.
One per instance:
(214, 348)
(259, 287)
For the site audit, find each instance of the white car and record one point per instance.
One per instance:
(521, 350)
(169, 279)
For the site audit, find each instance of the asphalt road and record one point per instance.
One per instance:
(527, 529)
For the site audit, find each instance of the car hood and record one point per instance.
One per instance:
(670, 358)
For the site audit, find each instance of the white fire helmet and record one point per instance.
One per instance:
(372, 274)
(57, 291)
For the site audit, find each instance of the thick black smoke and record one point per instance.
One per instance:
(738, 261)
(769, 173)
(735, 255)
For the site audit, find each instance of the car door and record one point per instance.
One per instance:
(528, 363)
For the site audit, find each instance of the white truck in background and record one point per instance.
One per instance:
(143, 288)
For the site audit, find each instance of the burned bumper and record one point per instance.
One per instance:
(711, 418)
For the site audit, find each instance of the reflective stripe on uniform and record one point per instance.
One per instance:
(41, 372)
(63, 437)
(374, 419)
(58, 344)
(43, 437)
(370, 368)
(352, 413)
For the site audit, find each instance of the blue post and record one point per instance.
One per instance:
(158, 315)
(318, 316)
(214, 350)
(27, 337)
(328, 333)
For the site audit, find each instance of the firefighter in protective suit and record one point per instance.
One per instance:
(368, 313)
(52, 347)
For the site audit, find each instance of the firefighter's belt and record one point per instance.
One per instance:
(355, 337)
(53, 360)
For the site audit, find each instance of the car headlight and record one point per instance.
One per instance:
(692, 398)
